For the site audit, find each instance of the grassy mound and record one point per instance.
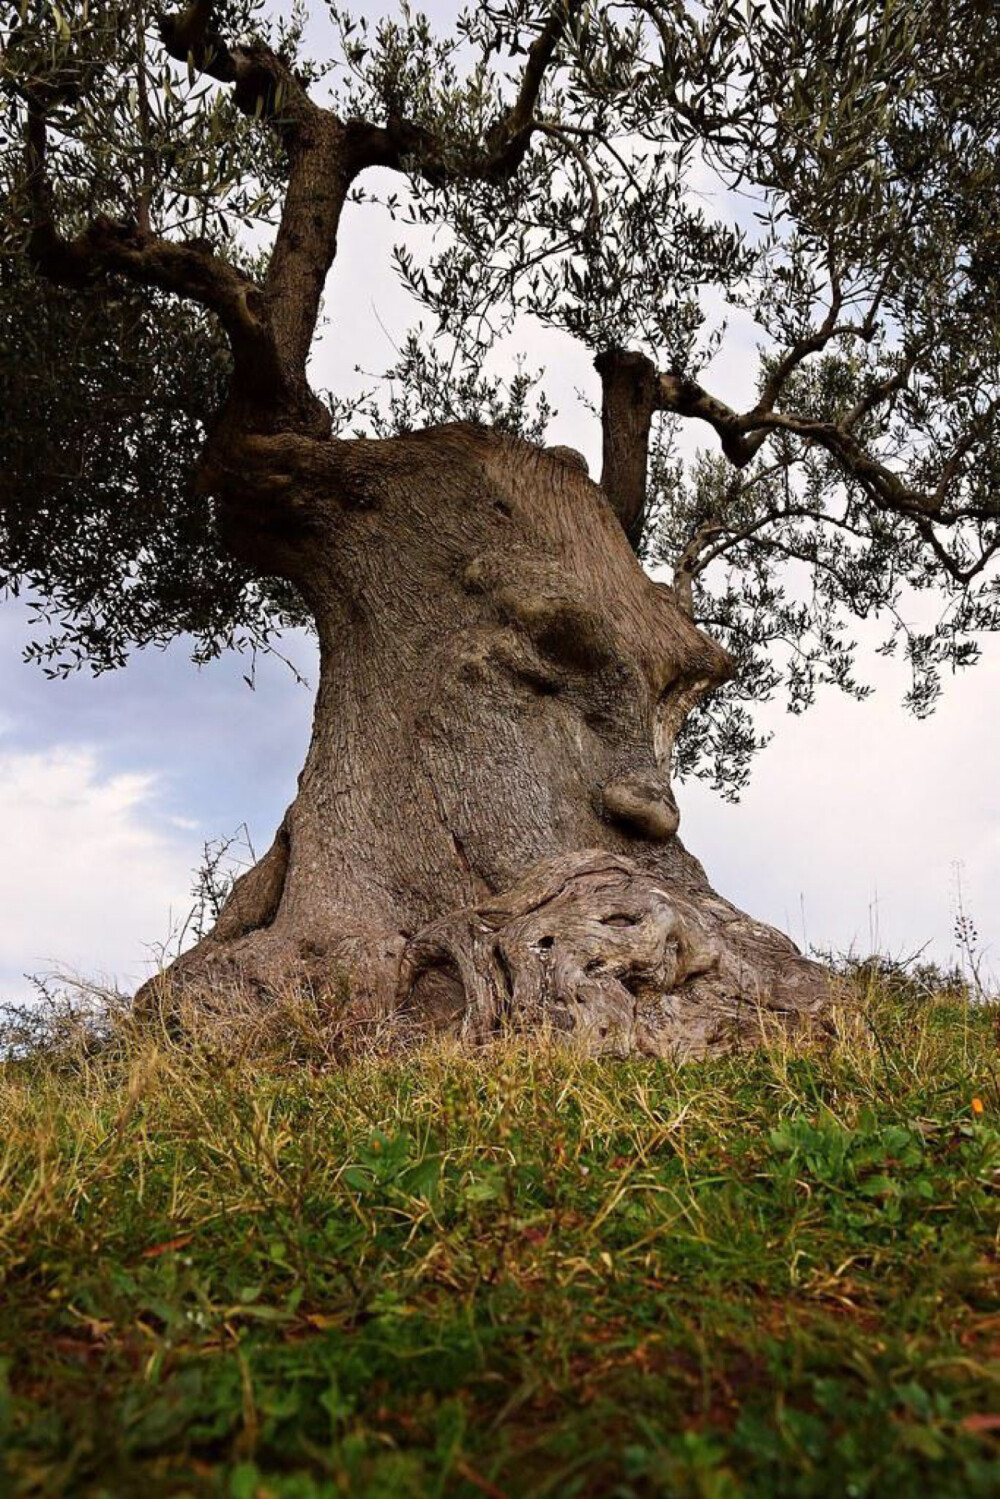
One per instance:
(515, 1273)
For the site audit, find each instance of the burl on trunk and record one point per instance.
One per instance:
(484, 834)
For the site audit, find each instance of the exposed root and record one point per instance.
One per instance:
(615, 959)
(589, 948)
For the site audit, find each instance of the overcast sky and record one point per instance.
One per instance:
(857, 825)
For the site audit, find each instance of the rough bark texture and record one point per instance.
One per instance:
(631, 394)
(484, 832)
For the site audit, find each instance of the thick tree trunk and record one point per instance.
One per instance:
(484, 832)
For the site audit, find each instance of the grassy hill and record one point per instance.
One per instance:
(515, 1273)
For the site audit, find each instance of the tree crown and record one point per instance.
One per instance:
(173, 192)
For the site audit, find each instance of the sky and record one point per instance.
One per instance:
(858, 829)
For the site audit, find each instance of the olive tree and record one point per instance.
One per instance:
(515, 656)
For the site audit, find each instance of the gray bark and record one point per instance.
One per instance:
(485, 833)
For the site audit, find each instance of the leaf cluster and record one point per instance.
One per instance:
(102, 529)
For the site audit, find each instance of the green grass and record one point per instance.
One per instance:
(515, 1273)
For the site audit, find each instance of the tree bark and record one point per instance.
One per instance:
(630, 386)
(484, 833)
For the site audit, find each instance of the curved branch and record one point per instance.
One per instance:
(263, 83)
(265, 86)
(883, 390)
(742, 435)
(687, 398)
(106, 247)
(403, 145)
(954, 569)
(269, 327)
(556, 132)
(814, 343)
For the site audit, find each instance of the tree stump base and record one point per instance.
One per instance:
(591, 950)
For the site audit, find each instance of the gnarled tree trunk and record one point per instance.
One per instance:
(484, 832)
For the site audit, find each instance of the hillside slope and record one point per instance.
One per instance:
(514, 1273)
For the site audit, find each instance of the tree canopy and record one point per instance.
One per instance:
(823, 171)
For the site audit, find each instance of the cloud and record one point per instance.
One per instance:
(860, 819)
(89, 867)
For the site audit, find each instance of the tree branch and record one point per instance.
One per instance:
(325, 155)
(713, 539)
(743, 434)
(404, 145)
(882, 390)
(265, 85)
(690, 563)
(106, 247)
(630, 397)
(954, 569)
(803, 347)
(687, 398)
(558, 133)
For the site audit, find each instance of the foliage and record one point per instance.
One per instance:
(102, 526)
(114, 389)
(511, 1272)
(822, 172)
(431, 384)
